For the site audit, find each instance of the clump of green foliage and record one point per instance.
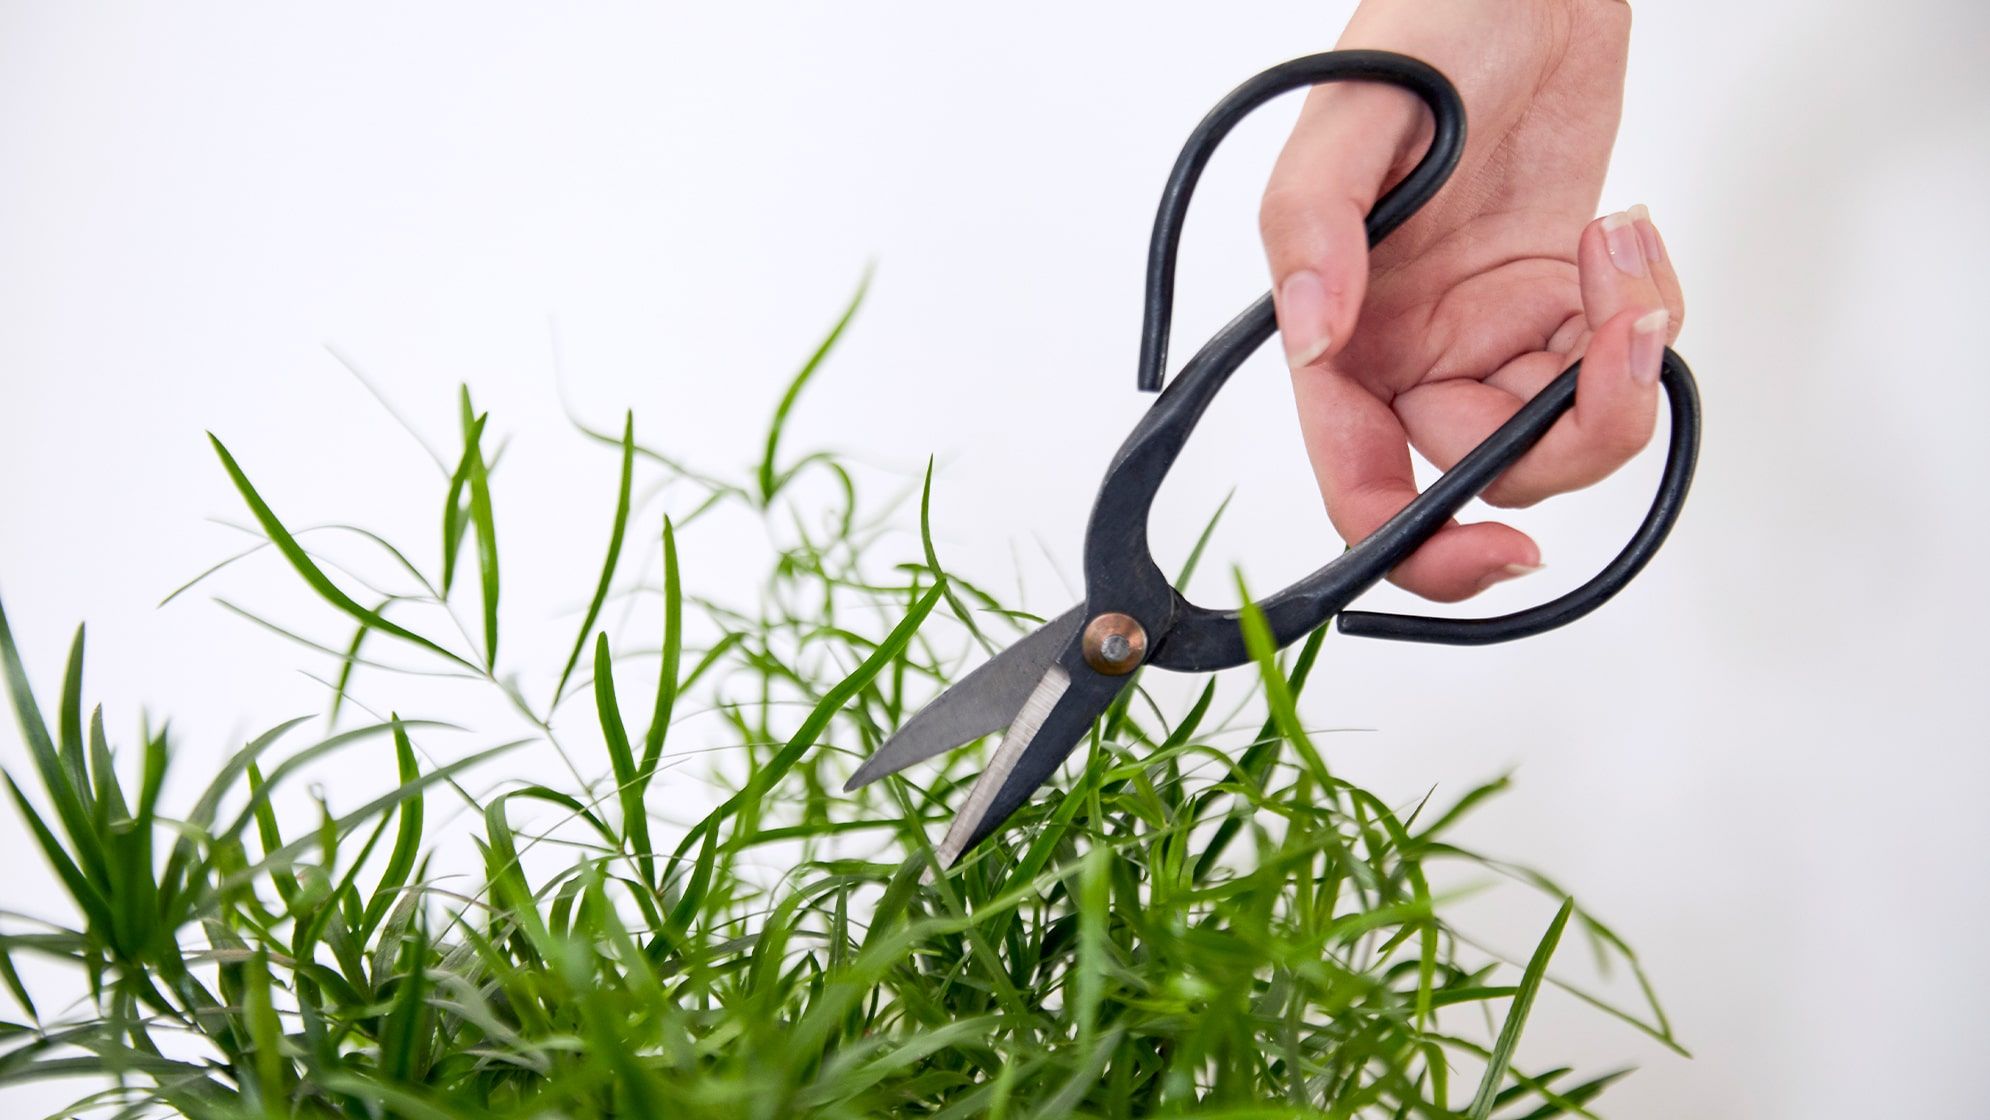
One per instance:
(1201, 918)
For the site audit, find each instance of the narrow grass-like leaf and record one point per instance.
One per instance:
(71, 723)
(667, 683)
(1278, 694)
(455, 514)
(484, 518)
(1463, 806)
(615, 533)
(346, 665)
(307, 568)
(265, 1034)
(1202, 540)
(830, 706)
(269, 834)
(403, 1039)
(771, 477)
(1516, 1015)
(107, 793)
(285, 856)
(12, 977)
(59, 778)
(81, 889)
(1083, 1079)
(1094, 895)
(408, 1101)
(1260, 755)
(294, 763)
(1572, 1099)
(628, 783)
(407, 838)
(933, 561)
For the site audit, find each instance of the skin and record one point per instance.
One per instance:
(1488, 293)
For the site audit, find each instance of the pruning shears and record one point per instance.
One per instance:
(1045, 691)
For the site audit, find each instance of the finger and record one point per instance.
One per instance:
(1662, 272)
(1616, 407)
(1616, 403)
(1613, 270)
(1349, 140)
(1361, 458)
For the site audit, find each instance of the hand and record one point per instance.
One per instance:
(1489, 292)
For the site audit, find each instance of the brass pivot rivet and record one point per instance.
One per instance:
(1114, 644)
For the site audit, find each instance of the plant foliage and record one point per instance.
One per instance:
(1201, 918)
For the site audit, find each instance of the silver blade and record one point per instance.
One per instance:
(1056, 716)
(982, 703)
(1029, 720)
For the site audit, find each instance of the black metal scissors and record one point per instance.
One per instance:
(1047, 689)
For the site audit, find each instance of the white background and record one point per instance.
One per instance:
(1764, 763)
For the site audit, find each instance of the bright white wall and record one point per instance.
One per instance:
(1763, 763)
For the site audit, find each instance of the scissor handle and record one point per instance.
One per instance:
(1120, 572)
(1682, 453)
(1447, 143)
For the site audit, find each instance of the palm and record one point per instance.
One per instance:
(1481, 286)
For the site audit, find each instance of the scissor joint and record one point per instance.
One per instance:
(1114, 644)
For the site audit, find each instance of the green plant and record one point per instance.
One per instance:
(1201, 919)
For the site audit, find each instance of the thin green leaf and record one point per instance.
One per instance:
(818, 718)
(315, 577)
(960, 610)
(288, 854)
(346, 665)
(770, 478)
(407, 838)
(71, 737)
(615, 533)
(59, 779)
(14, 984)
(456, 515)
(628, 783)
(1278, 694)
(1202, 540)
(1516, 1014)
(81, 889)
(667, 684)
(485, 520)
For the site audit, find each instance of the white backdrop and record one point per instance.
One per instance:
(1763, 764)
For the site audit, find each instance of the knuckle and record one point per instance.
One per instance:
(1300, 214)
(1282, 211)
(1619, 441)
(1511, 493)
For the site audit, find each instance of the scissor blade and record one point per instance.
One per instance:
(1055, 717)
(981, 703)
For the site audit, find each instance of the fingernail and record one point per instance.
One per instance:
(1654, 249)
(1510, 571)
(1648, 345)
(1620, 236)
(1304, 318)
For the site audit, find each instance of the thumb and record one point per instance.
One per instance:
(1347, 145)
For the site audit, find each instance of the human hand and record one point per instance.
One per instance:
(1486, 294)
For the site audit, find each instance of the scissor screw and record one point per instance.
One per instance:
(1114, 643)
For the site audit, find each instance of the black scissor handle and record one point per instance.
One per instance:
(1682, 452)
(1120, 573)
(1447, 143)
